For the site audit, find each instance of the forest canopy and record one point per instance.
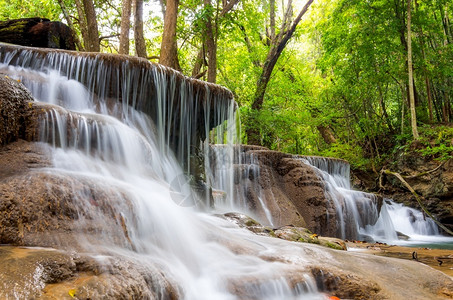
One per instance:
(352, 79)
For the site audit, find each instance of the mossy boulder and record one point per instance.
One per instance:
(37, 32)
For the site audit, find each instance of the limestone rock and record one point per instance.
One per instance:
(293, 192)
(14, 109)
(46, 273)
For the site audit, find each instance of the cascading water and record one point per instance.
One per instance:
(236, 174)
(114, 147)
(359, 215)
(354, 209)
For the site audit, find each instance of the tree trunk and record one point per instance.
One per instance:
(326, 134)
(82, 23)
(140, 46)
(276, 48)
(384, 110)
(125, 27)
(410, 71)
(92, 24)
(272, 57)
(169, 47)
(71, 25)
(196, 71)
(211, 46)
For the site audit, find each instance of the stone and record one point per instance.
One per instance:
(37, 32)
(14, 109)
(47, 273)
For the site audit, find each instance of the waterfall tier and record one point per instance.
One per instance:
(106, 187)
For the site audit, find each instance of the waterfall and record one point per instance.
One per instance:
(235, 172)
(354, 209)
(120, 134)
(360, 216)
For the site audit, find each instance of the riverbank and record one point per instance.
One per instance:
(439, 259)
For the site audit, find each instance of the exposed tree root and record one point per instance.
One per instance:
(425, 173)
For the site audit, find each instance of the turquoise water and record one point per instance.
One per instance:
(432, 242)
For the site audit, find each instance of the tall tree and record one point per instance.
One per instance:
(207, 55)
(92, 42)
(169, 47)
(210, 43)
(140, 45)
(410, 73)
(125, 26)
(70, 24)
(278, 43)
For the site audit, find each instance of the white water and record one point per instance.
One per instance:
(358, 216)
(237, 174)
(118, 149)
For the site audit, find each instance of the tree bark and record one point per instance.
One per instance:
(169, 47)
(327, 134)
(198, 63)
(71, 25)
(82, 23)
(140, 46)
(210, 45)
(410, 71)
(92, 26)
(125, 27)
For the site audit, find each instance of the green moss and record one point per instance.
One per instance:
(251, 222)
(15, 27)
(270, 232)
(333, 246)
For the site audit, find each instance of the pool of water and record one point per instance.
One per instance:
(432, 242)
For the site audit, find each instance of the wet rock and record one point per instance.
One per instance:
(20, 157)
(245, 221)
(291, 190)
(345, 286)
(288, 233)
(40, 208)
(14, 109)
(46, 273)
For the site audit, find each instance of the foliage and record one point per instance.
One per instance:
(29, 8)
(438, 142)
(344, 70)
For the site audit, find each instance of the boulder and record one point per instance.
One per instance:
(37, 32)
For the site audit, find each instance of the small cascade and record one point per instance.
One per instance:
(122, 143)
(361, 216)
(354, 209)
(239, 175)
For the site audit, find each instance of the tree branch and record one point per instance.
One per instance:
(425, 173)
(227, 7)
